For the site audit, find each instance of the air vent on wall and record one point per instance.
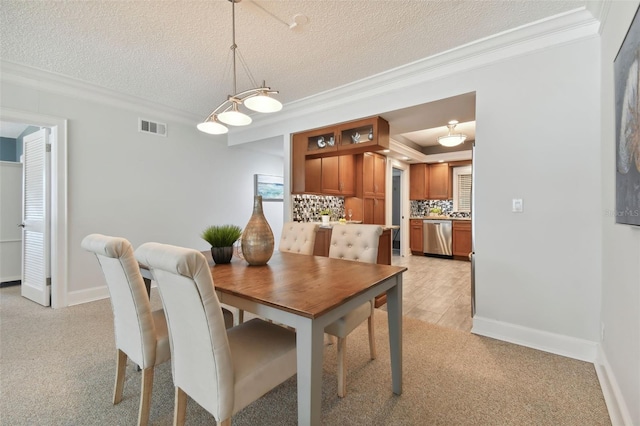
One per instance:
(147, 126)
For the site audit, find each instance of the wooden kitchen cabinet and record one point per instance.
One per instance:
(364, 135)
(430, 182)
(313, 175)
(319, 142)
(343, 139)
(461, 235)
(373, 211)
(440, 182)
(331, 175)
(415, 236)
(419, 181)
(338, 175)
(374, 169)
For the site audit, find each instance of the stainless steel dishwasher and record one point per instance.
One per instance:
(436, 237)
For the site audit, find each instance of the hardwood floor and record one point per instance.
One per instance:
(437, 291)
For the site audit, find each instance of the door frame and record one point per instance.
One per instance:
(59, 206)
(405, 205)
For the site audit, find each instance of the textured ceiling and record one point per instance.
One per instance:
(176, 52)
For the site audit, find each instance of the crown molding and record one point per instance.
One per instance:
(406, 151)
(312, 112)
(35, 78)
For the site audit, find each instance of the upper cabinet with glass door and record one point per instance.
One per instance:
(319, 142)
(354, 137)
(366, 135)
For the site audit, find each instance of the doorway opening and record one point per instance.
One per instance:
(396, 211)
(58, 196)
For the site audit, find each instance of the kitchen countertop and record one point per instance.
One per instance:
(440, 218)
(333, 223)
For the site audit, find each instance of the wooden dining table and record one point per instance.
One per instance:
(308, 293)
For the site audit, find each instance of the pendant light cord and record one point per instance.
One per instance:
(233, 43)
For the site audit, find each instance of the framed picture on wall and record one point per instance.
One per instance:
(270, 187)
(627, 103)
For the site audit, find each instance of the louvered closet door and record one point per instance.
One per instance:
(35, 222)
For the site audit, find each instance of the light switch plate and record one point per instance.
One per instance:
(517, 205)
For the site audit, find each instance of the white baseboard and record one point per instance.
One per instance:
(583, 350)
(618, 411)
(88, 295)
(10, 278)
(91, 295)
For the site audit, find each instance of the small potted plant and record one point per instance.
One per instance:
(221, 239)
(325, 214)
(435, 211)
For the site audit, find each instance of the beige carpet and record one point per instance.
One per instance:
(57, 368)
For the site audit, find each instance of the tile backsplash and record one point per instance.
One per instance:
(420, 208)
(306, 207)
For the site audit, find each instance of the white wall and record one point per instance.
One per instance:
(620, 355)
(537, 105)
(143, 187)
(10, 217)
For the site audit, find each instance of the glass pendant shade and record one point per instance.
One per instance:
(451, 140)
(263, 103)
(212, 127)
(234, 117)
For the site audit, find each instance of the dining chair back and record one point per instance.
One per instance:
(222, 370)
(355, 243)
(298, 237)
(140, 333)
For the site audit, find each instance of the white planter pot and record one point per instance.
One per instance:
(325, 219)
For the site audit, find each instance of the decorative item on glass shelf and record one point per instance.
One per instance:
(321, 142)
(257, 239)
(256, 99)
(370, 135)
(221, 238)
(355, 138)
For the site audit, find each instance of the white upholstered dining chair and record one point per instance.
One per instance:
(356, 243)
(222, 370)
(141, 334)
(298, 237)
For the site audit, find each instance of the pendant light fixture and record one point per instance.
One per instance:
(452, 139)
(257, 99)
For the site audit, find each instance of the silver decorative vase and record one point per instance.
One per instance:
(257, 237)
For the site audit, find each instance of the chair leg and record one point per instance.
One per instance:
(180, 409)
(121, 366)
(342, 366)
(240, 316)
(372, 337)
(145, 396)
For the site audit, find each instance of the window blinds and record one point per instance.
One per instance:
(464, 193)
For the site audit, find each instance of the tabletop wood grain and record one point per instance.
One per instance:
(305, 285)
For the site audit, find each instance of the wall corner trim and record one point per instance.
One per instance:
(618, 411)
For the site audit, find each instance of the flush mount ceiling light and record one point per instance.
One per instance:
(256, 99)
(452, 139)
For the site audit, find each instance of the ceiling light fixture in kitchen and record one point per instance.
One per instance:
(452, 139)
(256, 99)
